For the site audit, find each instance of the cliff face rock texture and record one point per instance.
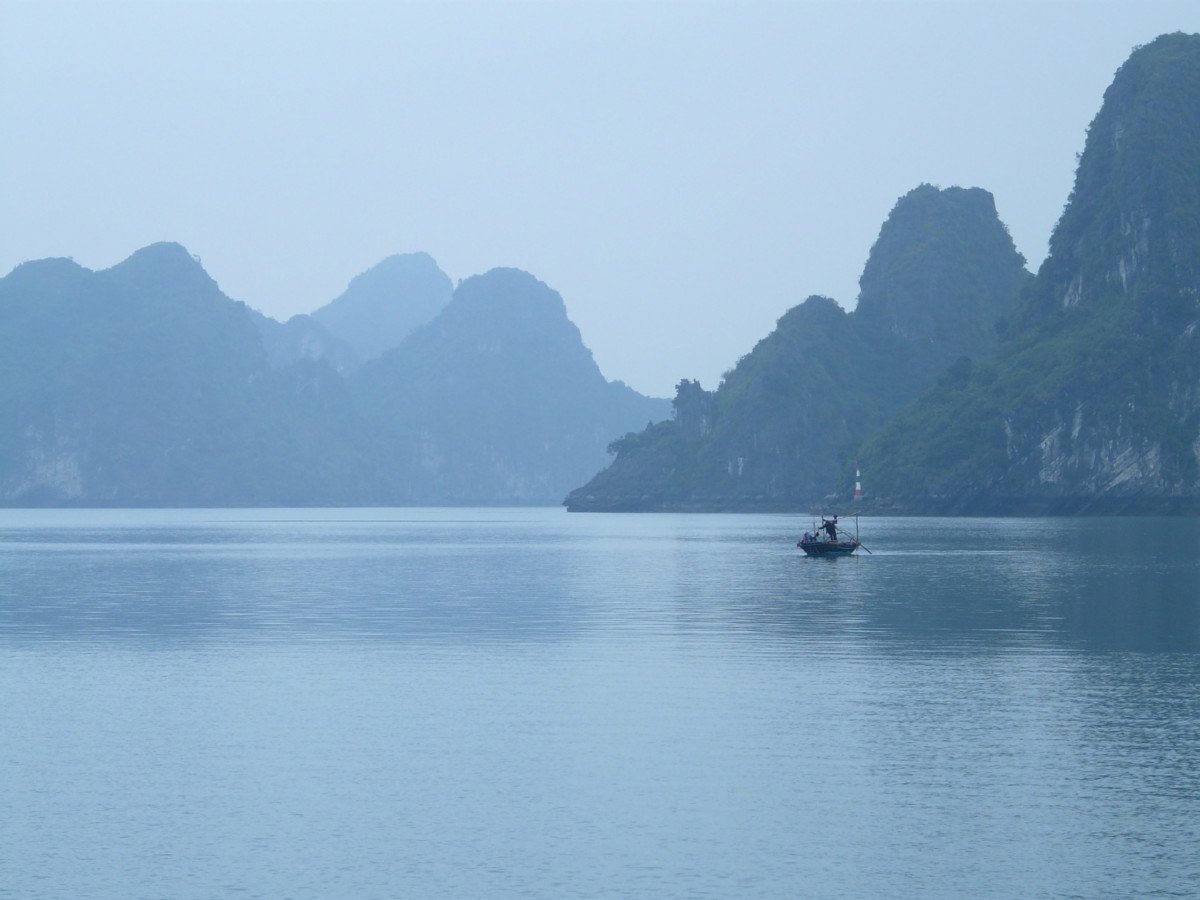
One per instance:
(783, 424)
(1092, 401)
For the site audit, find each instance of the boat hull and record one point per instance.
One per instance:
(828, 548)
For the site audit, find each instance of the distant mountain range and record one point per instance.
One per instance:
(960, 383)
(379, 309)
(145, 385)
(496, 396)
(387, 303)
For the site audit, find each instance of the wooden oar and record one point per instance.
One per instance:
(860, 543)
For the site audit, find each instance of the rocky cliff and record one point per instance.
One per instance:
(1092, 401)
(781, 427)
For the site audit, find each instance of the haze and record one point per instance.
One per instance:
(681, 173)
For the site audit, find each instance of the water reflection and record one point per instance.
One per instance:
(405, 702)
(930, 585)
(232, 575)
(998, 585)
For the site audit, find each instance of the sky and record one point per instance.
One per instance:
(682, 173)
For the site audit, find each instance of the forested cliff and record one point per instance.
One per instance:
(1092, 401)
(1088, 401)
(782, 424)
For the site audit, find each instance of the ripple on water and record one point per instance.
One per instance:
(520, 701)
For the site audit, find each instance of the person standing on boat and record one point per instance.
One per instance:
(830, 527)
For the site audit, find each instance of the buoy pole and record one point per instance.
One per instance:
(857, 483)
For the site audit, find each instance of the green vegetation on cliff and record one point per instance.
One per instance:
(1092, 401)
(784, 422)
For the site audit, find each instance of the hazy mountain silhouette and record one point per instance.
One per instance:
(386, 303)
(145, 385)
(496, 400)
(302, 338)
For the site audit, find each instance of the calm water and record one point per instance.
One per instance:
(386, 703)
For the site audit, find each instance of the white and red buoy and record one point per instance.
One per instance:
(857, 483)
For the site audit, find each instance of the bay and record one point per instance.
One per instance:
(522, 702)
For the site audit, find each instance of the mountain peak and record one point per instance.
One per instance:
(163, 253)
(383, 305)
(164, 263)
(58, 269)
(514, 291)
(941, 272)
(1129, 219)
(498, 398)
(399, 265)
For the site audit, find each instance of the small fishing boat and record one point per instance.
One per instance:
(827, 539)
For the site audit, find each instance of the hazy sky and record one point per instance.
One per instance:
(682, 173)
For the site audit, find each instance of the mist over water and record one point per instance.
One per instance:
(482, 702)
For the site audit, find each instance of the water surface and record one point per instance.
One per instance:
(529, 703)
